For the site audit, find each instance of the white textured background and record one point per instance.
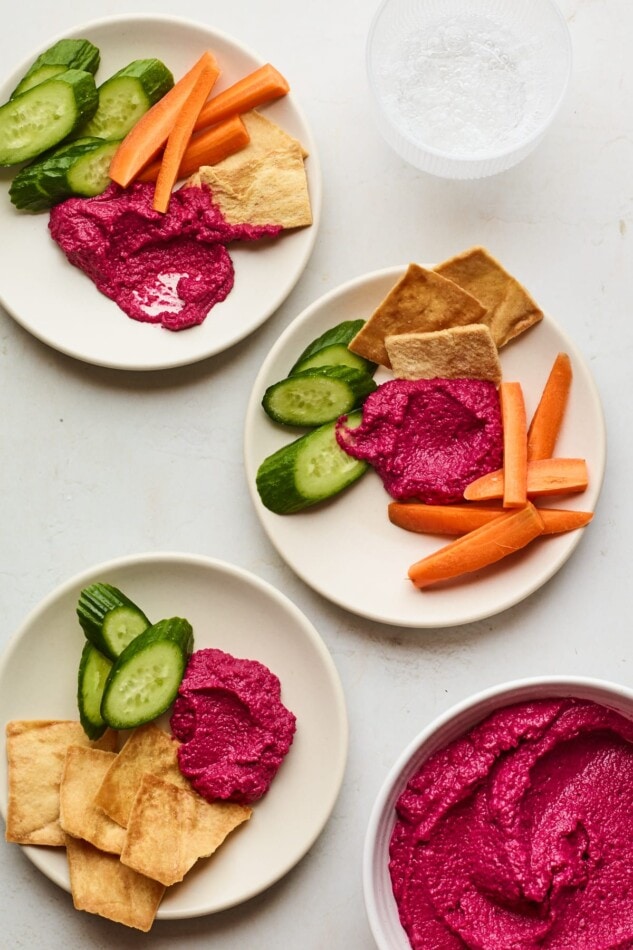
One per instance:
(97, 464)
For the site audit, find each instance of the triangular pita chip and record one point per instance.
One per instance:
(148, 749)
(510, 308)
(79, 816)
(455, 353)
(263, 183)
(36, 753)
(420, 301)
(169, 829)
(101, 885)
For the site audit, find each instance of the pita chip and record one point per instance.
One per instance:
(510, 308)
(79, 817)
(101, 885)
(265, 182)
(169, 829)
(455, 353)
(148, 749)
(36, 753)
(421, 301)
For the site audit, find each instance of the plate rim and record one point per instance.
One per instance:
(315, 182)
(342, 290)
(221, 567)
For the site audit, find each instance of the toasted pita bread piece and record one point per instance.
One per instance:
(36, 753)
(421, 301)
(455, 353)
(79, 817)
(169, 829)
(148, 749)
(510, 308)
(101, 885)
(265, 136)
(263, 183)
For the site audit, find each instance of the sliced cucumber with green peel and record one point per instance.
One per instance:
(126, 96)
(79, 167)
(94, 669)
(144, 680)
(336, 354)
(43, 116)
(63, 55)
(309, 470)
(88, 176)
(109, 619)
(316, 396)
(331, 348)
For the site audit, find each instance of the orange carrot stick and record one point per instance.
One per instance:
(180, 136)
(514, 445)
(262, 85)
(440, 519)
(150, 133)
(206, 148)
(555, 476)
(558, 520)
(548, 416)
(460, 519)
(507, 533)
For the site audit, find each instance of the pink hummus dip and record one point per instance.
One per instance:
(519, 835)
(234, 729)
(428, 438)
(159, 268)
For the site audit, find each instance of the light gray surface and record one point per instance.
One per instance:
(97, 464)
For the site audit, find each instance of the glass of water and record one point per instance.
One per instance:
(467, 88)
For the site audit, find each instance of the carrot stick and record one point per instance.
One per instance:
(555, 476)
(144, 140)
(558, 520)
(460, 519)
(262, 85)
(548, 416)
(440, 519)
(514, 445)
(180, 136)
(206, 148)
(504, 535)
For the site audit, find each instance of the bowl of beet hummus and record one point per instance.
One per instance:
(506, 823)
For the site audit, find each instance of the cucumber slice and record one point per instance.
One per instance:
(94, 669)
(317, 395)
(79, 167)
(63, 55)
(144, 680)
(338, 338)
(41, 117)
(309, 470)
(109, 619)
(126, 96)
(336, 354)
(88, 176)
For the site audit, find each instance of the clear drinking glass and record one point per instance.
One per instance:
(467, 88)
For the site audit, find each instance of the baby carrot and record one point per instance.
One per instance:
(552, 476)
(548, 416)
(180, 135)
(509, 532)
(150, 133)
(514, 445)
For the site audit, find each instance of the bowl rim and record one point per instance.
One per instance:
(464, 161)
(456, 720)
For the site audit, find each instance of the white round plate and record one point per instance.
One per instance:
(347, 549)
(61, 306)
(236, 612)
